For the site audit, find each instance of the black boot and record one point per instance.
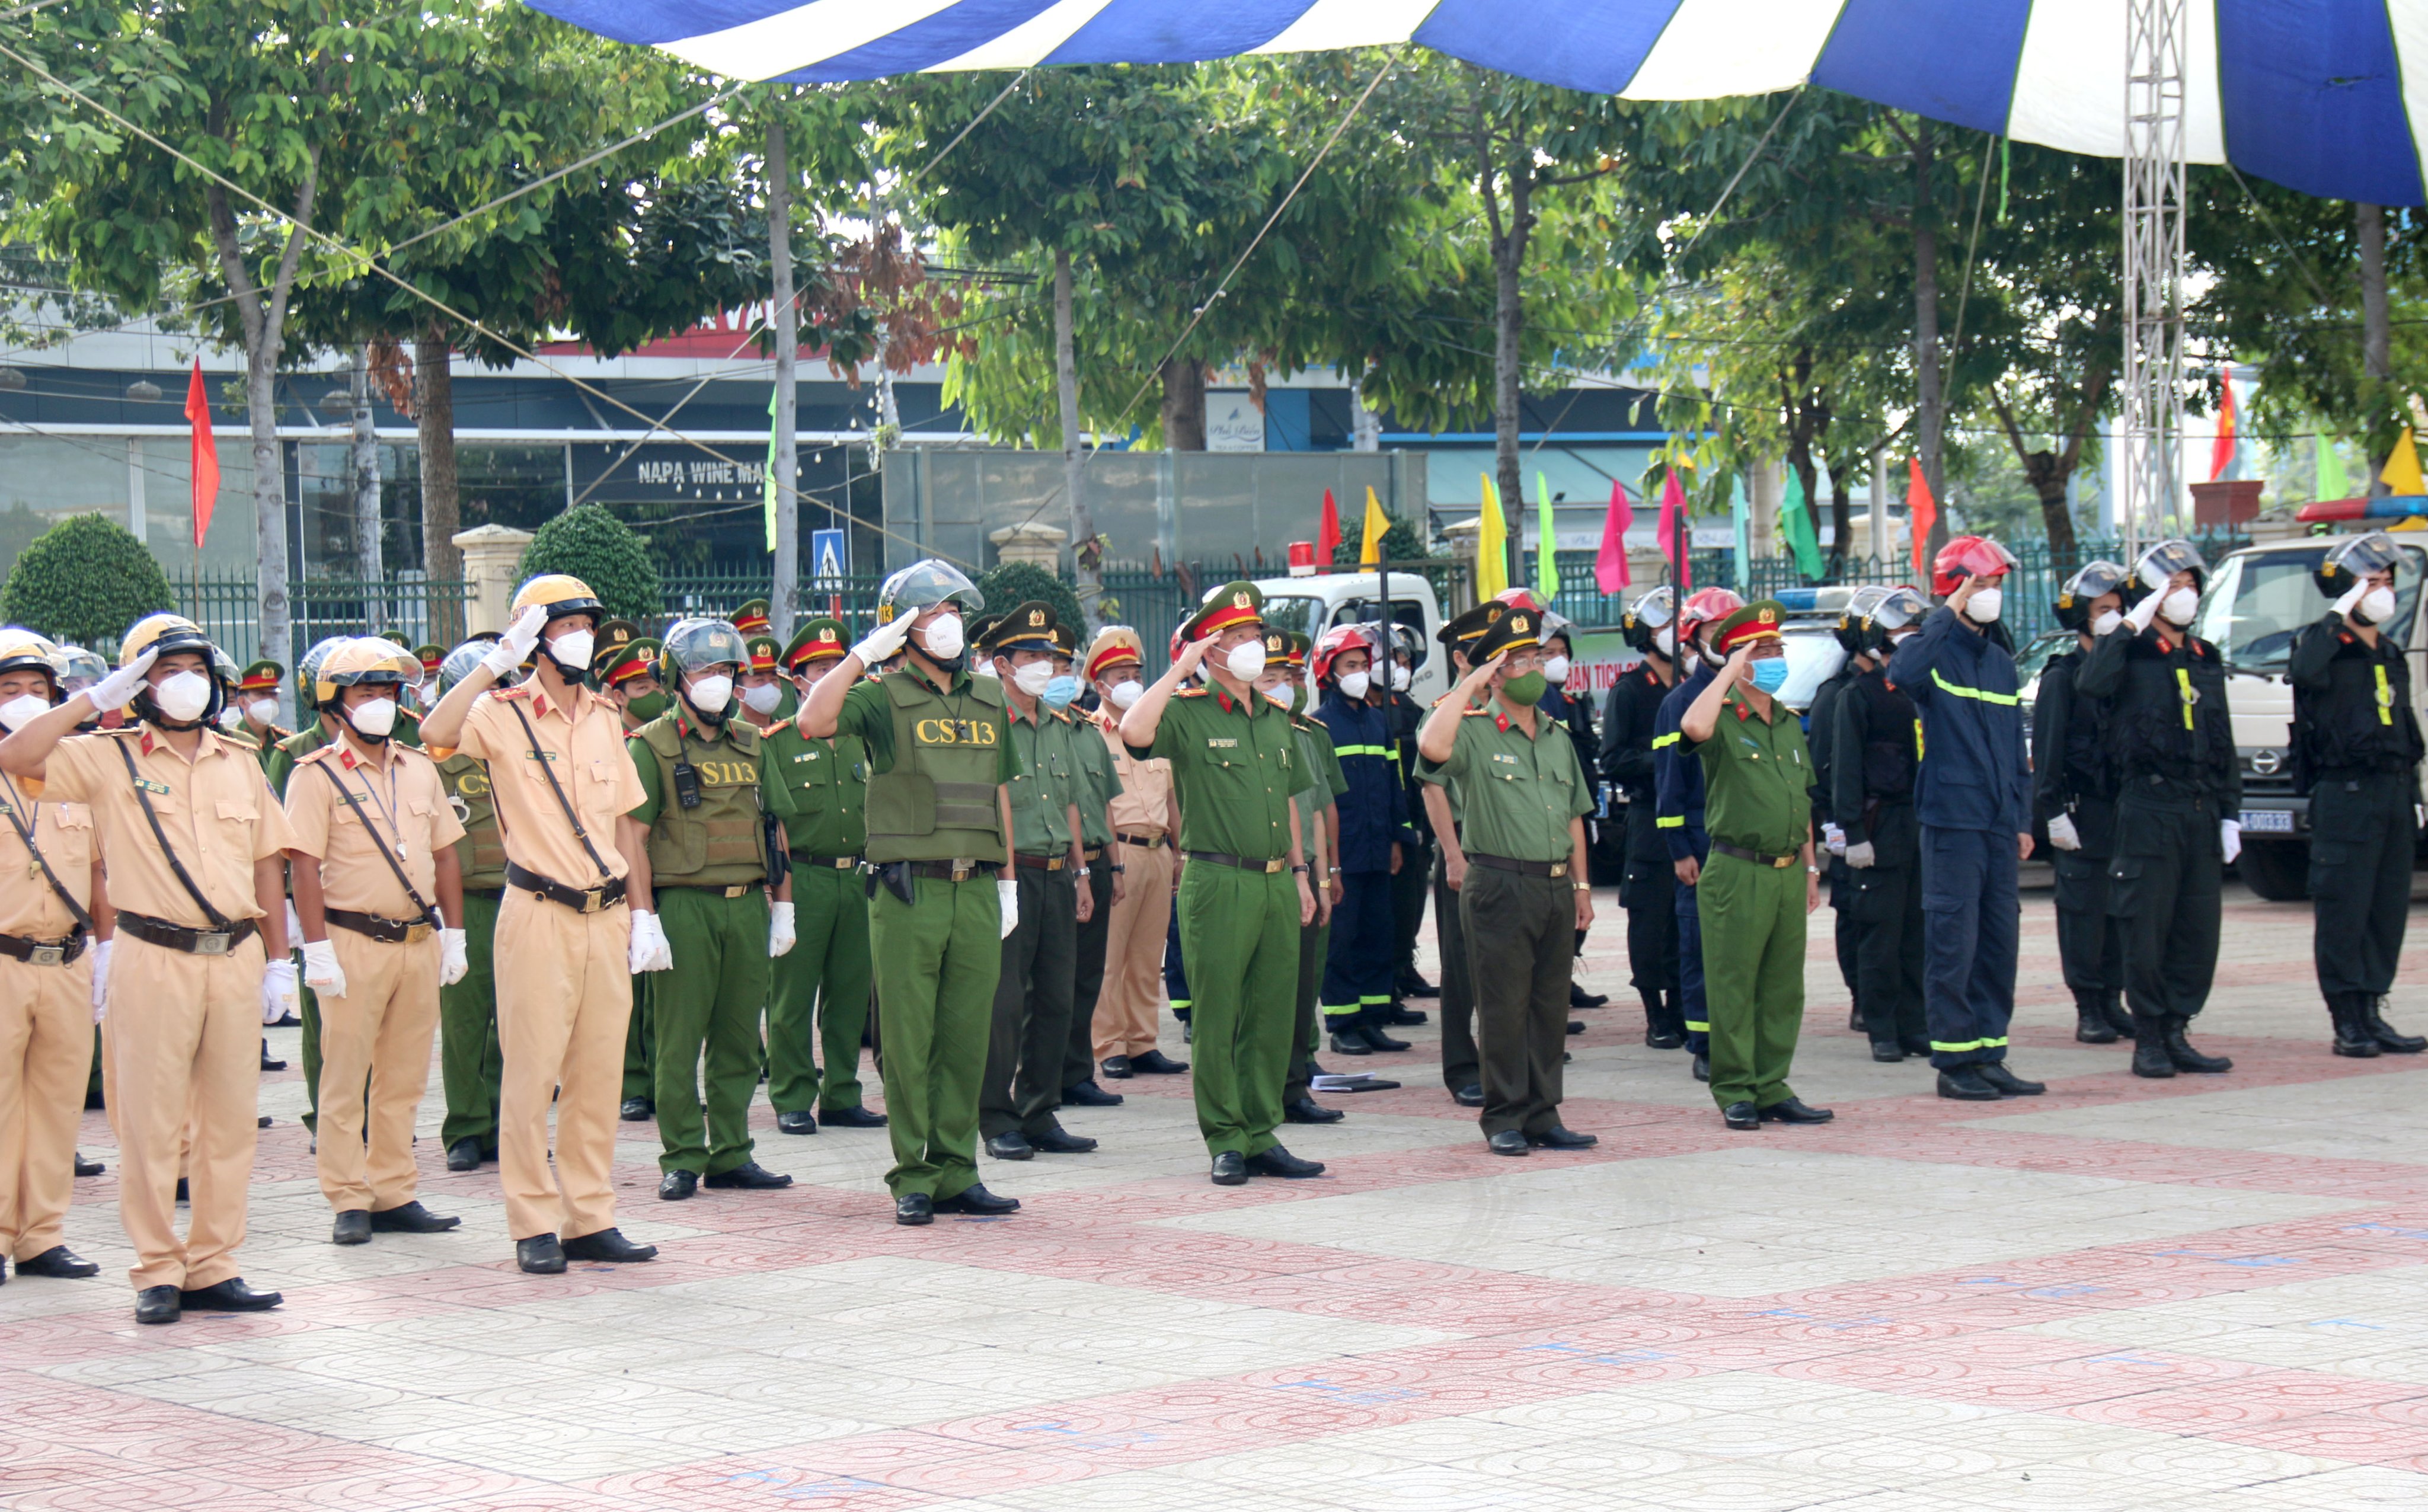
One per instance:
(2349, 1013)
(2180, 1051)
(2091, 1024)
(2111, 1008)
(2150, 1058)
(2387, 1036)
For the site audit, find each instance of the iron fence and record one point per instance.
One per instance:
(228, 608)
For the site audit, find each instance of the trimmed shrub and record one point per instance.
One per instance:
(87, 581)
(592, 545)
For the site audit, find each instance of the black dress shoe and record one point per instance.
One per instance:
(1116, 1067)
(677, 1186)
(231, 1296)
(749, 1177)
(288, 1021)
(638, 1110)
(1576, 1026)
(1795, 1110)
(88, 1168)
(59, 1263)
(1659, 1040)
(1413, 985)
(353, 1227)
(1012, 1146)
(465, 1154)
(1308, 1110)
(1470, 1095)
(1996, 1075)
(411, 1218)
(159, 1305)
(914, 1209)
(268, 1064)
(1507, 1141)
(850, 1118)
(1702, 1068)
(1059, 1141)
(1087, 1095)
(1381, 1040)
(1964, 1085)
(975, 1201)
(1156, 1063)
(611, 1246)
(800, 1120)
(1405, 1016)
(1277, 1161)
(540, 1255)
(1351, 1043)
(1230, 1169)
(1561, 1137)
(1741, 1116)
(1918, 1045)
(1579, 997)
(2390, 1037)
(1888, 1052)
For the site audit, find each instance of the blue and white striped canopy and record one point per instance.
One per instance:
(2310, 93)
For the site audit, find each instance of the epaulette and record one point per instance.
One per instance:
(1484, 713)
(521, 690)
(330, 752)
(1193, 693)
(1064, 715)
(239, 740)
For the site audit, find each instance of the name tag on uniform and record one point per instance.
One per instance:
(1222, 743)
(541, 755)
(806, 756)
(150, 786)
(1504, 756)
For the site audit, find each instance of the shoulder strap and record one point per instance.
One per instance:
(558, 788)
(346, 796)
(177, 867)
(26, 834)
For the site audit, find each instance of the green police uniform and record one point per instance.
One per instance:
(621, 652)
(469, 1062)
(278, 764)
(708, 873)
(935, 759)
(1314, 939)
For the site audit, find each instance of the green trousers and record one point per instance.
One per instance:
(1239, 935)
(640, 1044)
(938, 958)
(468, 1059)
(819, 999)
(1306, 1027)
(1753, 975)
(707, 1011)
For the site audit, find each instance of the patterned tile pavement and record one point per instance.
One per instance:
(2204, 1292)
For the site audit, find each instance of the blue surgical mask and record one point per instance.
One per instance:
(1770, 674)
(1060, 691)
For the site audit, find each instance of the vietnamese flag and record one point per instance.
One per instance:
(2221, 453)
(206, 465)
(1327, 533)
(1921, 513)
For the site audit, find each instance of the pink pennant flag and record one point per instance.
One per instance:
(1610, 564)
(1676, 534)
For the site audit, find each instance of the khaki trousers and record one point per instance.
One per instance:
(379, 1032)
(182, 1071)
(1129, 1006)
(565, 993)
(45, 1052)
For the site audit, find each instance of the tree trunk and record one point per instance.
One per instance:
(1930, 411)
(2057, 514)
(1842, 518)
(1084, 550)
(1183, 404)
(2376, 327)
(369, 527)
(433, 405)
(1508, 325)
(1365, 426)
(787, 545)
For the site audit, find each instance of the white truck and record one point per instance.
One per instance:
(1312, 605)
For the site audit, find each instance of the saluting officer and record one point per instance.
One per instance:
(1234, 760)
(1145, 817)
(1649, 890)
(1527, 891)
(1678, 808)
(624, 667)
(1871, 774)
(2358, 751)
(469, 1059)
(818, 1004)
(54, 918)
(2073, 794)
(566, 939)
(1319, 828)
(1371, 819)
(376, 881)
(942, 897)
(697, 857)
(1462, 1063)
(2178, 805)
(196, 855)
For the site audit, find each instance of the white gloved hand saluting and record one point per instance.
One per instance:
(454, 957)
(1834, 840)
(113, 691)
(883, 641)
(322, 971)
(100, 979)
(278, 995)
(516, 643)
(2062, 835)
(1860, 856)
(2142, 614)
(779, 927)
(2352, 597)
(1007, 897)
(2229, 838)
(651, 951)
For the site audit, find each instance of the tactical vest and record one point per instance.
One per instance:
(2170, 717)
(938, 802)
(2088, 772)
(2362, 722)
(722, 843)
(482, 852)
(1893, 737)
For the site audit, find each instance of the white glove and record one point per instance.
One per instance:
(516, 644)
(1860, 856)
(883, 641)
(651, 951)
(453, 961)
(2062, 833)
(112, 692)
(294, 926)
(2140, 616)
(2352, 597)
(278, 995)
(779, 927)
(322, 971)
(100, 979)
(2229, 838)
(1007, 895)
(1834, 840)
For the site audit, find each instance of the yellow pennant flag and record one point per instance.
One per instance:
(2402, 470)
(1370, 551)
(1491, 546)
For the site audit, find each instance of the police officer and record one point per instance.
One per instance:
(1146, 819)
(1760, 880)
(761, 688)
(195, 846)
(1375, 842)
(2178, 805)
(566, 941)
(1678, 808)
(1414, 880)
(1234, 760)
(1283, 680)
(1107, 878)
(941, 765)
(624, 667)
(1462, 1062)
(54, 917)
(376, 879)
(469, 1059)
(819, 1002)
(2358, 751)
(257, 694)
(2074, 795)
(1820, 735)
(1527, 890)
(278, 760)
(1649, 890)
(696, 854)
(1871, 775)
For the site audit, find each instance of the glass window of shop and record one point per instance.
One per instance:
(143, 483)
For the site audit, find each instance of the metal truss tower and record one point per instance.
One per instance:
(2150, 472)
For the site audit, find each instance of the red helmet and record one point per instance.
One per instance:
(1707, 607)
(1335, 640)
(1518, 598)
(1968, 556)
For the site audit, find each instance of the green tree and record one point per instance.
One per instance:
(1012, 583)
(86, 580)
(589, 543)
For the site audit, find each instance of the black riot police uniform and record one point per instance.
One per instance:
(1877, 739)
(2072, 777)
(1649, 888)
(1820, 733)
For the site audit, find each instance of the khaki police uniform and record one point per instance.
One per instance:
(469, 1059)
(1129, 1005)
(46, 1015)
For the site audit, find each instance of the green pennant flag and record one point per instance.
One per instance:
(1795, 526)
(1547, 566)
(2331, 470)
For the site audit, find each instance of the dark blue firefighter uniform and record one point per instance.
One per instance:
(1357, 967)
(1678, 807)
(1972, 796)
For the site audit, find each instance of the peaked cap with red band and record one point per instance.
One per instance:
(1113, 645)
(1232, 604)
(1754, 623)
(817, 640)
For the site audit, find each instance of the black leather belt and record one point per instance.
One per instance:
(391, 931)
(494, 895)
(951, 871)
(1042, 863)
(1523, 868)
(1144, 842)
(841, 864)
(1278, 863)
(605, 896)
(170, 936)
(1760, 858)
(46, 952)
(720, 889)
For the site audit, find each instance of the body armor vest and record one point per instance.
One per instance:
(723, 842)
(938, 802)
(2362, 722)
(1892, 744)
(482, 852)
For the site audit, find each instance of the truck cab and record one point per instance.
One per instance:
(2256, 602)
(1312, 605)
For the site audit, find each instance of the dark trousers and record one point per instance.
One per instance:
(1462, 1067)
(1849, 933)
(1031, 1028)
(1409, 885)
(1175, 970)
(1521, 945)
(1884, 905)
(1357, 964)
(1692, 1009)
(2163, 883)
(2363, 834)
(1088, 976)
(1972, 926)
(1649, 894)
(2089, 940)
(1306, 1029)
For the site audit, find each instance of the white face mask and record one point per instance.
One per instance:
(985, 669)
(1665, 640)
(1354, 685)
(1984, 606)
(709, 695)
(1555, 669)
(2105, 621)
(1032, 678)
(22, 710)
(2377, 605)
(762, 699)
(262, 711)
(2178, 606)
(1281, 696)
(1124, 693)
(1399, 680)
(944, 638)
(572, 648)
(1245, 660)
(182, 696)
(373, 719)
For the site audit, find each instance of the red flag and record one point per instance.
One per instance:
(1677, 535)
(206, 454)
(2220, 455)
(1609, 563)
(1921, 513)
(1327, 535)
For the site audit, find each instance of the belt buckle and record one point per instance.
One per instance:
(211, 943)
(48, 955)
(1276, 864)
(1781, 863)
(416, 933)
(961, 873)
(845, 864)
(593, 900)
(1559, 868)
(1053, 863)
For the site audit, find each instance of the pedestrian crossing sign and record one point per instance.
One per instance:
(829, 556)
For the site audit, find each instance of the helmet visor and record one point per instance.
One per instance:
(1975, 556)
(1655, 609)
(2374, 552)
(2166, 559)
(692, 644)
(922, 585)
(2096, 580)
(1899, 607)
